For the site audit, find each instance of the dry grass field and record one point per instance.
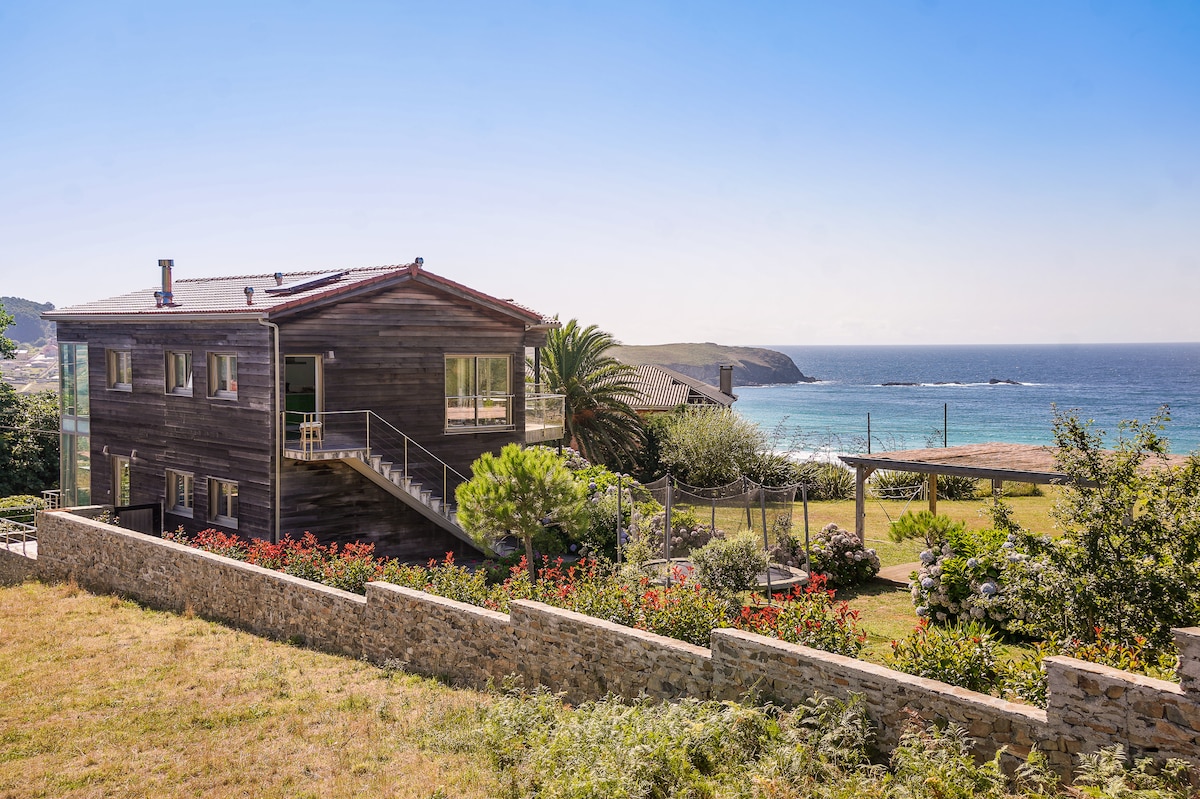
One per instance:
(100, 697)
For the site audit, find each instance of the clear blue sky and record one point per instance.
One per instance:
(747, 173)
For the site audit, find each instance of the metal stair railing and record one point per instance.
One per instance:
(367, 430)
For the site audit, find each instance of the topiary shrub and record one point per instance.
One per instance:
(728, 566)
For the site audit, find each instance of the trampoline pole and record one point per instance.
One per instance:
(762, 504)
(620, 518)
(667, 533)
(807, 557)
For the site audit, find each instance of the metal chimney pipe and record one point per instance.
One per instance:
(167, 264)
(279, 278)
(727, 380)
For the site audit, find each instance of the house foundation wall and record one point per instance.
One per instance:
(585, 658)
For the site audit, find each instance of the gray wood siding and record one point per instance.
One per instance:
(390, 350)
(210, 438)
(339, 505)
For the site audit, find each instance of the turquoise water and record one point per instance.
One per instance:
(1107, 383)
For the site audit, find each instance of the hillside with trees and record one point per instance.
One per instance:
(27, 326)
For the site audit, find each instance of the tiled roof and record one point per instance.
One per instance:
(661, 388)
(227, 295)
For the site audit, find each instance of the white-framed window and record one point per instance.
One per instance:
(223, 502)
(478, 391)
(120, 370)
(180, 489)
(222, 375)
(179, 373)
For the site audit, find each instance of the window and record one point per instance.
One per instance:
(75, 475)
(222, 376)
(120, 370)
(179, 373)
(223, 502)
(478, 391)
(179, 493)
(120, 480)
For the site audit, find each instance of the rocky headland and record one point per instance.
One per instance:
(752, 366)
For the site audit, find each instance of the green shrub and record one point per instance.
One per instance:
(957, 487)
(963, 654)
(23, 501)
(938, 763)
(825, 481)
(897, 484)
(841, 557)
(729, 566)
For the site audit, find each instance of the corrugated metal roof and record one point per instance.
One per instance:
(660, 388)
(227, 295)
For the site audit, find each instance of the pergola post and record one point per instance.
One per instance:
(932, 492)
(861, 473)
(997, 488)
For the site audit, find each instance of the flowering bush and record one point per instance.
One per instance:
(687, 532)
(841, 557)
(973, 575)
(684, 609)
(808, 616)
(963, 654)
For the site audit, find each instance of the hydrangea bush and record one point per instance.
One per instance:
(975, 575)
(841, 557)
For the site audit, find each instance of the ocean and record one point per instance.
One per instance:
(1103, 382)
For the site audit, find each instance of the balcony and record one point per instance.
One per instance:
(544, 415)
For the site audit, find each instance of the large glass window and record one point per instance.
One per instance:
(223, 502)
(478, 391)
(179, 373)
(120, 370)
(222, 375)
(179, 493)
(75, 463)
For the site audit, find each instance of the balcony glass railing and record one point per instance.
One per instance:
(492, 410)
(544, 417)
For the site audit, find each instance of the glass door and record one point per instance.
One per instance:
(302, 392)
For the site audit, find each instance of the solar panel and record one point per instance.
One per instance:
(303, 285)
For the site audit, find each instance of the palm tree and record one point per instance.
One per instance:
(598, 387)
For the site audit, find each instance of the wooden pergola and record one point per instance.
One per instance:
(1000, 463)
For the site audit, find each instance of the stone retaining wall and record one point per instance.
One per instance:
(15, 567)
(585, 658)
(787, 673)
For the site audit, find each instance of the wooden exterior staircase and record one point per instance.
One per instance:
(374, 448)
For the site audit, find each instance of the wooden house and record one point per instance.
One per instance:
(348, 404)
(661, 390)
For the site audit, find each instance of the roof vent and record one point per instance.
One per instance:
(249, 294)
(279, 278)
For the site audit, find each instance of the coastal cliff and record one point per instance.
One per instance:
(752, 366)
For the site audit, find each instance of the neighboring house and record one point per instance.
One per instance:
(347, 404)
(661, 390)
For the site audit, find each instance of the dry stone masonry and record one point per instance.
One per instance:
(586, 658)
